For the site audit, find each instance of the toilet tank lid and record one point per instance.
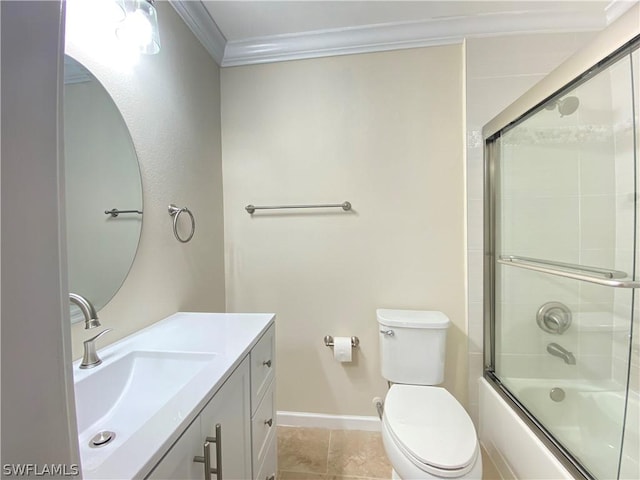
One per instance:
(412, 318)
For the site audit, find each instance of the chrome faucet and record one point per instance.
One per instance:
(90, 358)
(558, 351)
(90, 315)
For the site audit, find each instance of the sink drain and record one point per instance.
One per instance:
(557, 394)
(102, 439)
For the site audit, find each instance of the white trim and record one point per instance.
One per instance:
(400, 35)
(281, 48)
(334, 422)
(617, 8)
(382, 37)
(197, 18)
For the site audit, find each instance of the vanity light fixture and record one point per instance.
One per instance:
(139, 29)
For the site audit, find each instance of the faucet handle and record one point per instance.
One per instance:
(90, 358)
(93, 339)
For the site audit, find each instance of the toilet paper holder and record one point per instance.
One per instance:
(328, 341)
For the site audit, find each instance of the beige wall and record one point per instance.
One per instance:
(170, 103)
(382, 131)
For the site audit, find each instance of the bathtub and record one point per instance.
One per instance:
(519, 453)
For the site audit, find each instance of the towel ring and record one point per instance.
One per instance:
(175, 213)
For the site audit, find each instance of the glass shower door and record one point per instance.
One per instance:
(565, 242)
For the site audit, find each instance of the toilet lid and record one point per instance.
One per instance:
(429, 424)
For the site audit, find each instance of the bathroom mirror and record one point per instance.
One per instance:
(101, 174)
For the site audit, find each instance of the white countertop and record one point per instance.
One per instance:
(230, 336)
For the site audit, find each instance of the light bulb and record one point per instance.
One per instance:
(139, 30)
(135, 30)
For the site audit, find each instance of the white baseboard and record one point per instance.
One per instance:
(334, 422)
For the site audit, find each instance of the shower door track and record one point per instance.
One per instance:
(563, 455)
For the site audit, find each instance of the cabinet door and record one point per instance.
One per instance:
(230, 408)
(178, 462)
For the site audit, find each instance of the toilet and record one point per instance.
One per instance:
(425, 431)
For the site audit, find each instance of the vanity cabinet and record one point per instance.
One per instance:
(229, 408)
(244, 409)
(178, 462)
(263, 407)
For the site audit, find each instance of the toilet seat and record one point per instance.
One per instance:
(431, 429)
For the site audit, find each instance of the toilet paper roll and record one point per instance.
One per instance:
(342, 349)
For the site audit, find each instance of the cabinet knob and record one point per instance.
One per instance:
(269, 422)
(267, 363)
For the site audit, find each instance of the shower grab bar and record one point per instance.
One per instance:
(344, 205)
(599, 276)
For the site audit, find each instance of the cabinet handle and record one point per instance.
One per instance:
(218, 441)
(267, 363)
(206, 459)
(269, 422)
(271, 477)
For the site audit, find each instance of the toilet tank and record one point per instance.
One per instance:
(412, 345)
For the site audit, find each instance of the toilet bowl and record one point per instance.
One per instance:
(426, 433)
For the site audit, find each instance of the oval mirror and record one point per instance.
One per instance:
(101, 174)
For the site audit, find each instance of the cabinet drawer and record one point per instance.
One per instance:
(269, 468)
(263, 365)
(263, 427)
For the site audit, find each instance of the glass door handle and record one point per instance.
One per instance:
(544, 266)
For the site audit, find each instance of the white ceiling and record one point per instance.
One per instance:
(241, 20)
(244, 32)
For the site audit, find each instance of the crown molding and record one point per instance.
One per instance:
(325, 43)
(375, 38)
(197, 18)
(394, 36)
(617, 8)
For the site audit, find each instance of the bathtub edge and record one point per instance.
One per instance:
(515, 450)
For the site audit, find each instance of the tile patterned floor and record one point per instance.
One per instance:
(489, 470)
(320, 454)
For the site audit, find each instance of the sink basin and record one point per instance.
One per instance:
(121, 396)
(152, 385)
